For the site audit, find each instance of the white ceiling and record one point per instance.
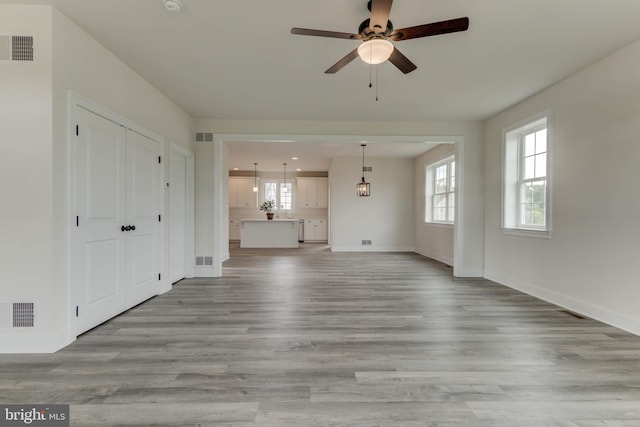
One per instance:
(236, 58)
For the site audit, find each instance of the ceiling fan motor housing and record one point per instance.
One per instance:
(366, 33)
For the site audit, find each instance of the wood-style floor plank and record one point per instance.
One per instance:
(313, 338)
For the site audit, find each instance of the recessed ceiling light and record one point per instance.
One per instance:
(294, 158)
(298, 169)
(172, 5)
(235, 169)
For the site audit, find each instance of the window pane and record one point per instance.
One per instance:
(541, 165)
(530, 144)
(451, 209)
(285, 196)
(541, 141)
(270, 191)
(529, 167)
(441, 186)
(538, 191)
(526, 195)
(453, 176)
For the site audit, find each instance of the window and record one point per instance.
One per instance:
(441, 192)
(526, 180)
(280, 193)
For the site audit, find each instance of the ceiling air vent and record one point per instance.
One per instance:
(16, 48)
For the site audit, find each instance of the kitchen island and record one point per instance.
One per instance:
(262, 233)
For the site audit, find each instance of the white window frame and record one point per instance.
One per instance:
(279, 183)
(513, 180)
(431, 191)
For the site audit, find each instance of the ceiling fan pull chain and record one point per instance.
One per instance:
(377, 84)
(370, 67)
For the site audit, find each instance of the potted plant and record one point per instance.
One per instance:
(267, 206)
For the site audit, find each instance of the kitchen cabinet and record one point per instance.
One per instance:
(316, 230)
(312, 192)
(241, 194)
(234, 229)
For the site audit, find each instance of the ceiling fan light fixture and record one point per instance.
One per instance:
(375, 51)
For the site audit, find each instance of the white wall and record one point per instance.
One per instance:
(590, 263)
(385, 217)
(432, 240)
(35, 266)
(205, 205)
(26, 168)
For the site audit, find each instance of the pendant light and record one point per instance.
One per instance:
(255, 177)
(284, 186)
(363, 188)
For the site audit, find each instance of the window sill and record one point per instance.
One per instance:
(523, 232)
(439, 224)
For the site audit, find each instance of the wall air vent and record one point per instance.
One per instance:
(204, 136)
(23, 315)
(17, 315)
(204, 260)
(17, 48)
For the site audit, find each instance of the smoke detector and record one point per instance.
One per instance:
(172, 5)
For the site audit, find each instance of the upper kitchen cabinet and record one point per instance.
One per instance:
(312, 192)
(241, 194)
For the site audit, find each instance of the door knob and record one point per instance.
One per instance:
(123, 228)
(133, 228)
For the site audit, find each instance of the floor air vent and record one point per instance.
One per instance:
(16, 48)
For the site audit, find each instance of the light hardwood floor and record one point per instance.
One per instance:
(313, 338)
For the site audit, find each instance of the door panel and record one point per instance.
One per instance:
(100, 244)
(143, 251)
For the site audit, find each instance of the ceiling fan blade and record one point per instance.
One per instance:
(344, 61)
(380, 10)
(433, 29)
(402, 62)
(322, 33)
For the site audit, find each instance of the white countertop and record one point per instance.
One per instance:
(270, 220)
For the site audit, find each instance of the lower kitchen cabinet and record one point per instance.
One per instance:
(316, 230)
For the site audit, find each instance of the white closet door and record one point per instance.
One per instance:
(143, 195)
(178, 216)
(100, 196)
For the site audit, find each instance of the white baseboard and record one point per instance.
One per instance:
(602, 314)
(23, 342)
(371, 249)
(208, 271)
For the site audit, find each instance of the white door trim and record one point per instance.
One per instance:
(220, 139)
(190, 202)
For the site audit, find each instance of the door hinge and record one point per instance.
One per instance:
(159, 218)
(77, 221)
(159, 159)
(77, 130)
(159, 276)
(77, 311)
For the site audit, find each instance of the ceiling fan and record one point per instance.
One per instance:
(376, 33)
